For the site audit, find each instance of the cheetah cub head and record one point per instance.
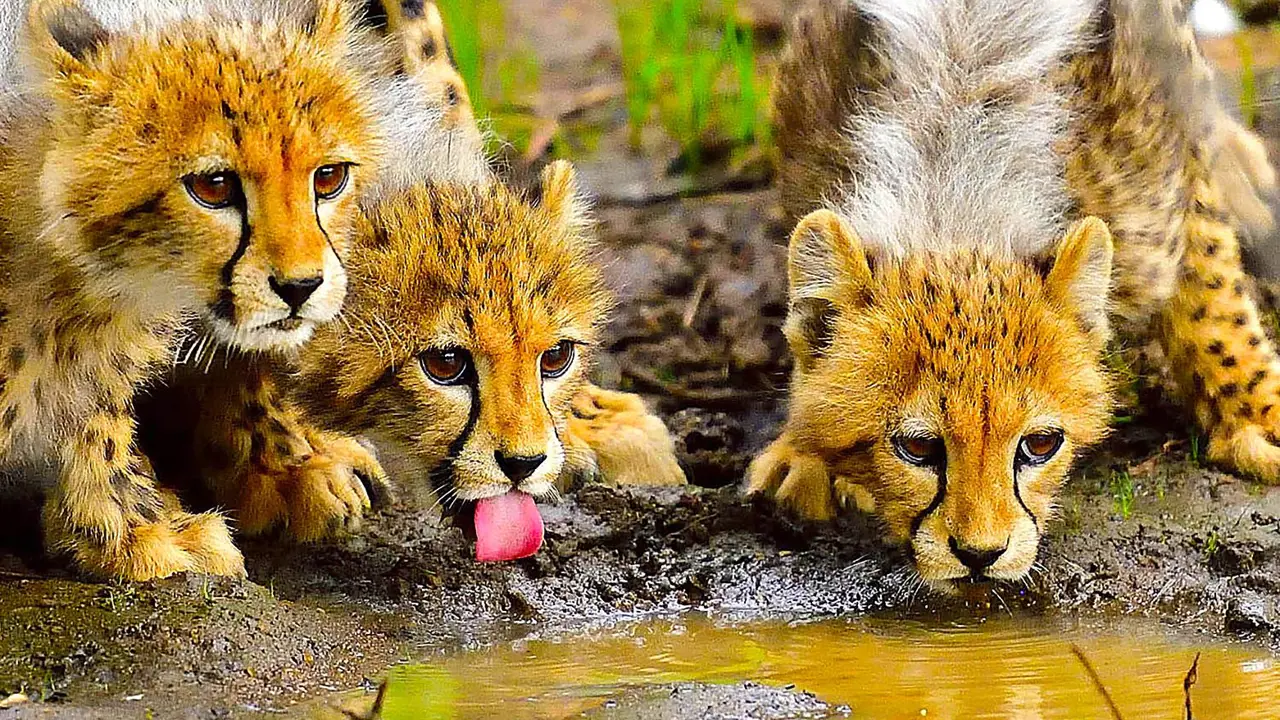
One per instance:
(206, 164)
(954, 389)
(471, 324)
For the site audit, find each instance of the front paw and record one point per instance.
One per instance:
(321, 495)
(175, 542)
(1251, 450)
(629, 445)
(797, 481)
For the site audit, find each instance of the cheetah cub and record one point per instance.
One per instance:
(222, 416)
(950, 289)
(196, 168)
(470, 329)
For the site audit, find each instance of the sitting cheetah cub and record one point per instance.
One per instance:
(221, 416)
(472, 321)
(195, 168)
(950, 296)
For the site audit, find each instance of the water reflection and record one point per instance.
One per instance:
(1015, 669)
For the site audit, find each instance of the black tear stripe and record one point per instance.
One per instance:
(441, 476)
(225, 307)
(328, 241)
(1017, 492)
(542, 395)
(941, 495)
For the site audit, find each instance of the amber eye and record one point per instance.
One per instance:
(921, 450)
(214, 190)
(331, 180)
(449, 366)
(1039, 448)
(556, 361)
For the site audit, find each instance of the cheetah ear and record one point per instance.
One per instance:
(562, 198)
(827, 268)
(63, 36)
(1080, 279)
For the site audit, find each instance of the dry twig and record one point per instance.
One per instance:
(1189, 681)
(695, 301)
(1097, 682)
(375, 712)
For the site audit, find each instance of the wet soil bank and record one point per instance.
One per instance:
(1199, 550)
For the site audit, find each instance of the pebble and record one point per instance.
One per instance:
(1248, 612)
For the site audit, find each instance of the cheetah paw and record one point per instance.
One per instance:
(797, 481)
(322, 495)
(176, 542)
(629, 445)
(1251, 450)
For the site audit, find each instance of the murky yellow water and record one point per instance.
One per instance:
(998, 669)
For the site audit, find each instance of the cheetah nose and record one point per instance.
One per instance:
(977, 559)
(295, 293)
(518, 467)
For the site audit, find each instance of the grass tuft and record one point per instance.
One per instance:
(1123, 493)
(501, 79)
(691, 66)
(1248, 83)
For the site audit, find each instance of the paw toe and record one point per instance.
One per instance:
(807, 489)
(767, 471)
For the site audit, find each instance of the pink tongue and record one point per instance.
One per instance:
(508, 527)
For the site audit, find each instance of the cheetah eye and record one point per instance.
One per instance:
(920, 450)
(215, 190)
(447, 366)
(1039, 448)
(331, 180)
(556, 361)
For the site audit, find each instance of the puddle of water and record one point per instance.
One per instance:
(1016, 669)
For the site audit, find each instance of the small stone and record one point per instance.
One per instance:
(1248, 613)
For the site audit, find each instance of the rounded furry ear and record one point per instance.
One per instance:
(827, 267)
(1080, 279)
(825, 255)
(562, 198)
(63, 35)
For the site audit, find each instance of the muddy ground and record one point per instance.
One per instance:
(698, 266)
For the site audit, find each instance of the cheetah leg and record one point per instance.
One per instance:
(419, 28)
(1219, 351)
(278, 472)
(627, 444)
(107, 513)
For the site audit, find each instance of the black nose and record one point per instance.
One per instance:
(518, 467)
(295, 292)
(976, 559)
